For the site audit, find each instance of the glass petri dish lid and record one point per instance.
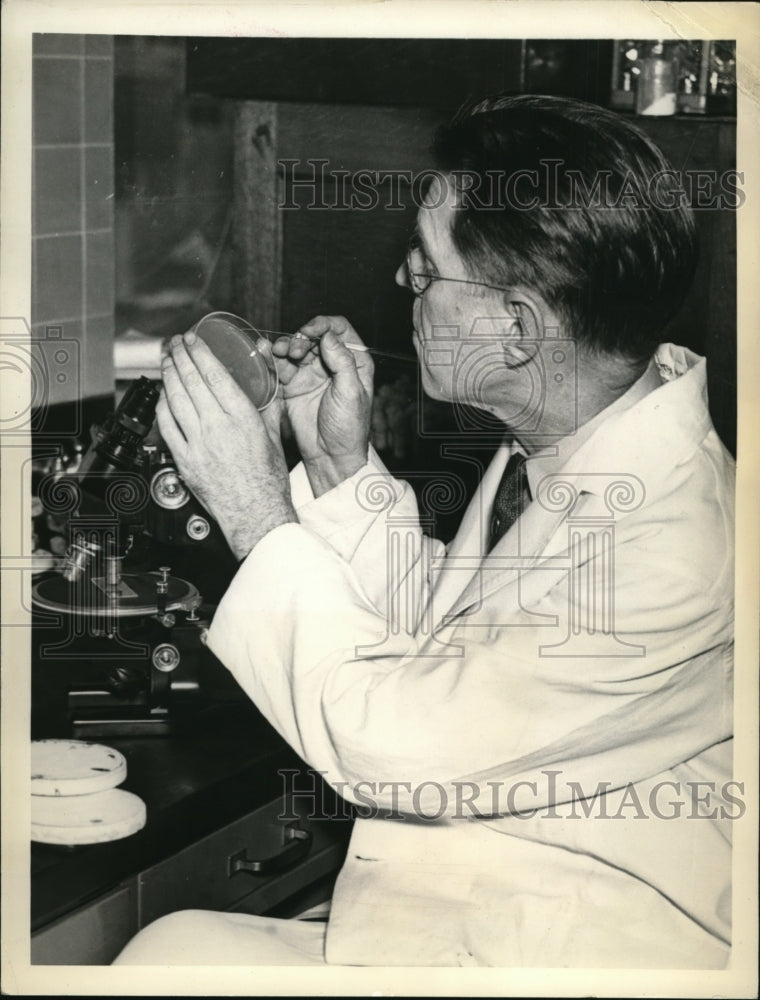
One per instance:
(244, 352)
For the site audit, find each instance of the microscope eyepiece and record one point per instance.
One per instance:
(122, 434)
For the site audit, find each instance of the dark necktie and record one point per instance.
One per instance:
(511, 498)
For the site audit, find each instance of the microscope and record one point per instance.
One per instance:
(118, 638)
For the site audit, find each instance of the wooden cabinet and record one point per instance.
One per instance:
(371, 105)
(304, 247)
(203, 876)
(307, 244)
(418, 72)
(298, 870)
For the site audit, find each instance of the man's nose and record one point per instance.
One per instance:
(402, 276)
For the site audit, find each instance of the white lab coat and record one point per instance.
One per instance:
(479, 689)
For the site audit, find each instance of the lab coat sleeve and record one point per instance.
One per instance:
(479, 702)
(371, 520)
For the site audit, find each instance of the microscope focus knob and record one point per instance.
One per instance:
(168, 490)
(165, 657)
(198, 527)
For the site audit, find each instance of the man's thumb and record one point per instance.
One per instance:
(335, 354)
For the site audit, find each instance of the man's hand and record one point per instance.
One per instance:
(228, 453)
(327, 392)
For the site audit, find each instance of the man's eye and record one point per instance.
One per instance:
(420, 262)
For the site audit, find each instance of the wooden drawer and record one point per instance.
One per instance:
(201, 876)
(294, 891)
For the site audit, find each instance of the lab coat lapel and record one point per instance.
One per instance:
(466, 575)
(460, 564)
(619, 446)
(527, 546)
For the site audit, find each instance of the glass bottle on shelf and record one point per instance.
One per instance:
(721, 82)
(657, 83)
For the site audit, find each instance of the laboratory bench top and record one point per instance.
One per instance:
(193, 783)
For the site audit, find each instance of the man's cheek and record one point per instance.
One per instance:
(417, 312)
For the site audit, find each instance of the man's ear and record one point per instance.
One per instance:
(528, 326)
(529, 313)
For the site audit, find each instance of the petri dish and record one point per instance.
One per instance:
(86, 819)
(73, 767)
(244, 352)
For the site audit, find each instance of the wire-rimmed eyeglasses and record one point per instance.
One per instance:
(419, 282)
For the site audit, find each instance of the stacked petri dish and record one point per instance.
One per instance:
(75, 798)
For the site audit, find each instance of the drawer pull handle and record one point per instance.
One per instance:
(297, 846)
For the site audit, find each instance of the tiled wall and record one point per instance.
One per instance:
(72, 211)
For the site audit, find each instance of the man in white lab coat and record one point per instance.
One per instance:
(545, 707)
